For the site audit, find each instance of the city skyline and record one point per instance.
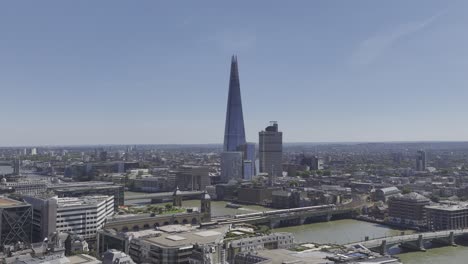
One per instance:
(143, 74)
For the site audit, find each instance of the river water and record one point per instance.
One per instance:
(342, 232)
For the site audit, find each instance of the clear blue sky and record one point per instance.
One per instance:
(118, 72)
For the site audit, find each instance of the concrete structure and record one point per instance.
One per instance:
(292, 217)
(285, 199)
(421, 161)
(408, 209)
(125, 223)
(195, 246)
(84, 215)
(113, 256)
(151, 184)
(25, 187)
(271, 150)
(280, 240)
(256, 195)
(16, 167)
(77, 189)
(447, 216)
(249, 157)
(15, 222)
(205, 207)
(192, 178)
(177, 198)
(415, 242)
(44, 216)
(384, 193)
(109, 238)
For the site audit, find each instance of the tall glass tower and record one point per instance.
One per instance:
(234, 132)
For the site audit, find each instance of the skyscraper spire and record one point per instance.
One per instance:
(234, 133)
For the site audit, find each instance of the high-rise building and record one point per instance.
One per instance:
(191, 177)
(271, 150)
(16, 167)
(248, 152)
(44, 216)
(231, 165)
(234, 133)
(408, 209)
(15, 222)
(81, 215)
(421, 161)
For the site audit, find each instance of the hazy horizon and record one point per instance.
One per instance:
(124, 73)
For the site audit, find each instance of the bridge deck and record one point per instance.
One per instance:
(406, 238)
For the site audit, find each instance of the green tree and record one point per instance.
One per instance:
(406, 190)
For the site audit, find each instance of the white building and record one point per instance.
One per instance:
(24, 187)
(279, 240)
(83, 215)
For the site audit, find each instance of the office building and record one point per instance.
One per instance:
(408, 209)
(383, 194)
(24, 186)
(193, 178)
(421, 161)
(44, 216)
(446, 216)
(15, 222)
(234, 133)
(231, 165)
(271, 150)
(188, 246)
(248, 152)
(78, 189)
(279, 240)
(83, 215)
(16, 167)
(33, 151)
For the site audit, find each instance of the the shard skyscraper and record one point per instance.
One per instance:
(232, 158)
(234, 132)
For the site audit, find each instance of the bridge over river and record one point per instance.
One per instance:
(416, 241)
(291, 217)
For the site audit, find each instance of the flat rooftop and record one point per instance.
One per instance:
(78, 201)
(7, 202)
(83, 259)
(282, 256)
(449, 206)
(184, 239)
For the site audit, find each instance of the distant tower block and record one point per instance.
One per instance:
(205, 208)
(177, 198)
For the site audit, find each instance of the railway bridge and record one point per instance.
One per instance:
(417, 242)
(291, 217)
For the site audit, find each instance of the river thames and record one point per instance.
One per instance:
(342, 232)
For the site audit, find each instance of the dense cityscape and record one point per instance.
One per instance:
(240, 202)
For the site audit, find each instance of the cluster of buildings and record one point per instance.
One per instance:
(59, 202)
(413, 210)
(239, 159)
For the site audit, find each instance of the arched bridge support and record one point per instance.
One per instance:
(447, 241)
(417, 245)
